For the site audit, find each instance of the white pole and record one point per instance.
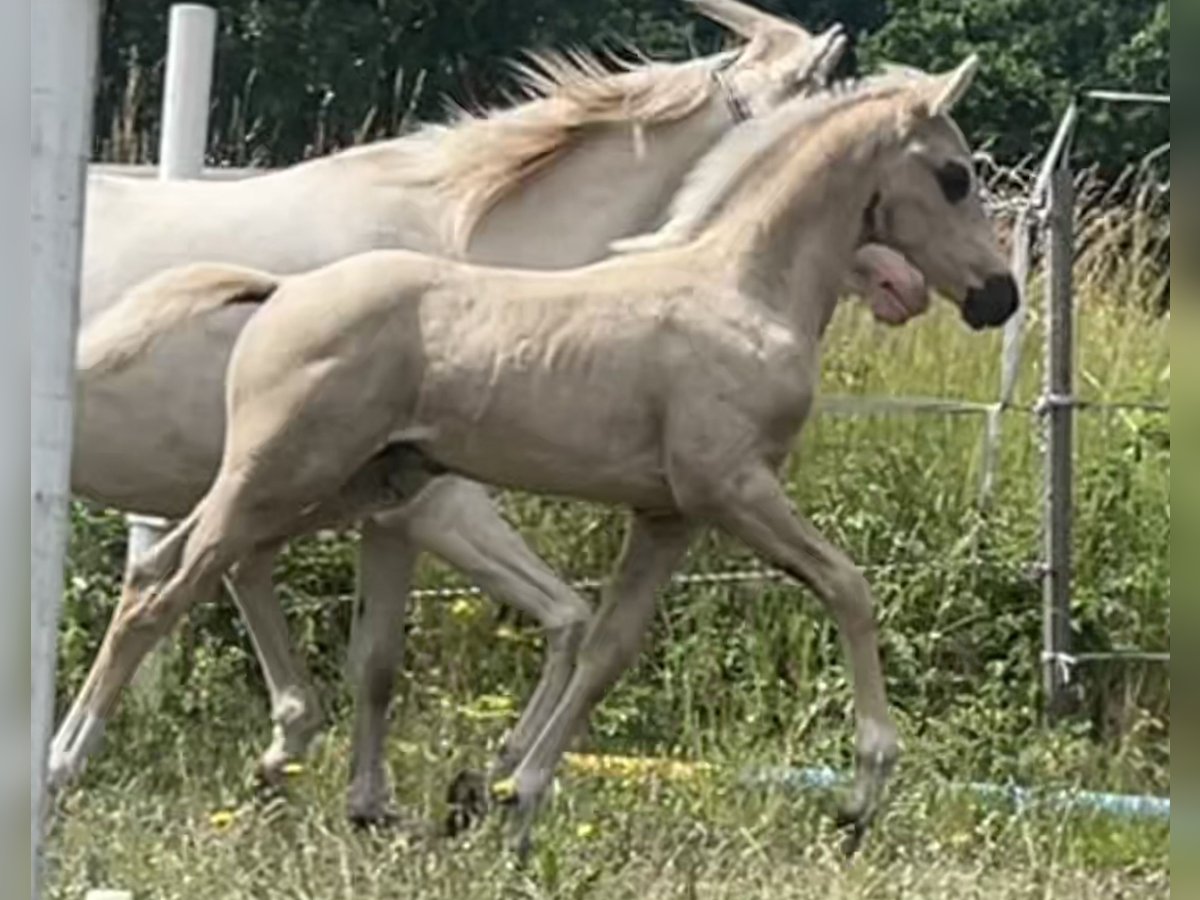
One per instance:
(63, 38)
(191, 38)
(186, 88)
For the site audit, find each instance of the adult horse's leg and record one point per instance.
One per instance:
(457, 520)
(752, 506)
(295, 711)
(385, 564)
(654, 546)
(464, 528)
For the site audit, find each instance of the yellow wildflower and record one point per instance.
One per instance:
(464, 609)
(489, 706)
(505, 789)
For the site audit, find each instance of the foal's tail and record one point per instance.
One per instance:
(162, 303)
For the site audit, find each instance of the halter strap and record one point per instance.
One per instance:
(739, 109)
(871, 219)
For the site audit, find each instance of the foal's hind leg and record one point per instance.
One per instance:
(752, 506)
(184, 567)
(653, 549)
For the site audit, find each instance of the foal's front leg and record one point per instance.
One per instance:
(752, 505)
(295, 712)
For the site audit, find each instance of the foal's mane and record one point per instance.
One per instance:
(741, 161)
(483, 155)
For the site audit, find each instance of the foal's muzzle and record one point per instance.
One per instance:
(992, 304)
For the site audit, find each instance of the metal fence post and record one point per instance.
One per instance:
(63, 38)
(187, 85)
(1059, 411)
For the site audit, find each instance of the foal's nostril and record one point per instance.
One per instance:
(992, 304)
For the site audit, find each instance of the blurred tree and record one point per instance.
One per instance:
(299, 77)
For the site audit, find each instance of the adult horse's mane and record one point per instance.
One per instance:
(483, 154)
(726, 169)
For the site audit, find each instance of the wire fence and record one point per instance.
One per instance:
(1042, 209)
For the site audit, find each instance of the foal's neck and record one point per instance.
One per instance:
(798, 262)
(794, 240)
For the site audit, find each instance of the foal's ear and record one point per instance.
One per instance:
(944, 91)
(934, 95)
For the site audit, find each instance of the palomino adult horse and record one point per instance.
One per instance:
(671, 381)
(506, 187)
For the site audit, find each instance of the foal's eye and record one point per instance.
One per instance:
(955, 181)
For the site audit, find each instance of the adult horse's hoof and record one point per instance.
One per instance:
(378, 817)
(388, 819)
(853, 829)
(469, 800)
(270, 780)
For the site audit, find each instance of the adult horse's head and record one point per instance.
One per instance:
(928, 205)
(780, 58)
(600, 152)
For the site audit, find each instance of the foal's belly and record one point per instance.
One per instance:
(555, 435)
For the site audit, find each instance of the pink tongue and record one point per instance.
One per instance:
(897, 292)
(888, 306)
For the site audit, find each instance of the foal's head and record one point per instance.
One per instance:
(928, 204)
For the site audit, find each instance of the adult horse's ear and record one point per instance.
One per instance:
(946, 90)
(820, 61)
(744, 20)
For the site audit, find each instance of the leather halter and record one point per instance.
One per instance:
(739, 109)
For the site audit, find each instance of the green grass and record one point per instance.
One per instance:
(734, 675)
(188, 826)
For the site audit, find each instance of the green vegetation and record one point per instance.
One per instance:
(741, 674)
(202, 837)
(296, 78)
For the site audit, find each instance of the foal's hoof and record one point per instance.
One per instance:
(469, 801)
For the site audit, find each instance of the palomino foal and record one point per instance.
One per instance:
(671, 381)
(547, 184)
(505, 188)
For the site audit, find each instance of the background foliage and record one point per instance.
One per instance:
(297, 77)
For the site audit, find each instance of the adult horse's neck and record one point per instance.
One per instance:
(615, 179)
